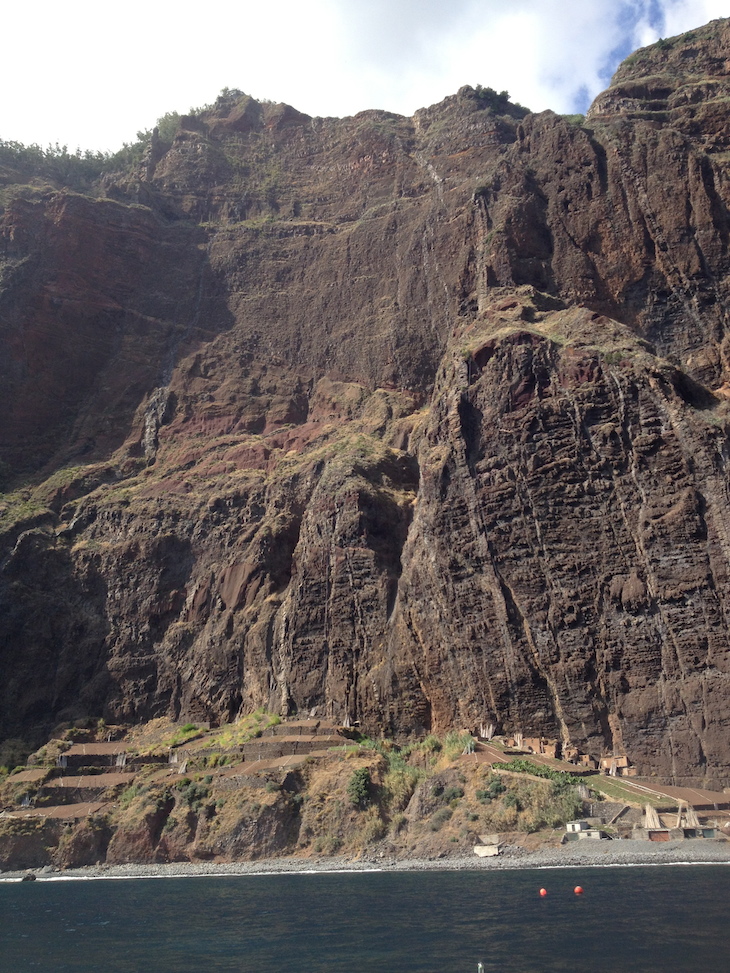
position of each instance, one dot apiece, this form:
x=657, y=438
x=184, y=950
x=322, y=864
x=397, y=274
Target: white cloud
x=683, y=15
x=90, y=74
x=543, y=54
x=547, y=53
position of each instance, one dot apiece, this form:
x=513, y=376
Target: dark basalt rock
x=420, y=422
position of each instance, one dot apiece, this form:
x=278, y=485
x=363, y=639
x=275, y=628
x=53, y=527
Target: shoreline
x=591, y=854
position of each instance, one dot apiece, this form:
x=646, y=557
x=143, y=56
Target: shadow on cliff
x=84, y=628
x=54, y=636
x=93, y=323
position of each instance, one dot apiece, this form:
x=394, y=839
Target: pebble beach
x=583, y=854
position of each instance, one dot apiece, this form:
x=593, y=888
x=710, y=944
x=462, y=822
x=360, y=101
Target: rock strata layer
x=417, y=422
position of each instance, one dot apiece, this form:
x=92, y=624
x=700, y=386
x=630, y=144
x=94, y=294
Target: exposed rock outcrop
x=418, y=422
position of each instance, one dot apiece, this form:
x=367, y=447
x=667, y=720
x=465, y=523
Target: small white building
x=573, y=826
x=578, y=830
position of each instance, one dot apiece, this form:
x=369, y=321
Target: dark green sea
x=669, y=919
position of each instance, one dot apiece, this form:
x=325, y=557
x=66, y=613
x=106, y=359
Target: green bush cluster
x=130, y=793
x=400, y=779
x=359, y=787
x=79, y=169
x=539, y=805
x=498, y=102
x=14, y=753
x=451, y=794
x=491, y=792
x=456, y=743
x=440, y=818
x=399, y=785
x=216, y=760
x=75, y=169
x=184, y=734
x=523, y=766
x=192, y=793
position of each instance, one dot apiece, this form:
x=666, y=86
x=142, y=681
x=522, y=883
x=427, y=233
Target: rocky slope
x=417, y=422
x=257, y=790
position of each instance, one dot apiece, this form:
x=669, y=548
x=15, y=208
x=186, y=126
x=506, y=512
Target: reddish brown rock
x=418, y=422
x=25, y=843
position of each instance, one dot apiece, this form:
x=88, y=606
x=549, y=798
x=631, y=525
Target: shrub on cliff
x=359, y=787
x=440, y=818
x=399, y=785
x=193, y=793
x=457, y=743
x=497, y=101
x=75, y=169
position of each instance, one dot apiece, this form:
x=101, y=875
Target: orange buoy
x=578, y=890
x=543, y=892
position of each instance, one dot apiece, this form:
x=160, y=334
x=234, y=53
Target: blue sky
x=90, y=75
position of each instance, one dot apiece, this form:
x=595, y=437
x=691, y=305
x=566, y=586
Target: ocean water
x=669, y=919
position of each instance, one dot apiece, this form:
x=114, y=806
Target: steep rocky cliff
x=419, y=422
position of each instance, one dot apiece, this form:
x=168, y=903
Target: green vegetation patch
x=522, y=766
x=615, y=790
x=194, y=793
x=359, y=787
x=439, y=819
x=498, y=101
x=236, y=734
x=183, y=734
x=492, y=792
x=457, y=743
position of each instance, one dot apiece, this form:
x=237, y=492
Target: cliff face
x=417, y=422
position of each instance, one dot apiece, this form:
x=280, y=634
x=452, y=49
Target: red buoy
x=543, y=892
x=578, y=890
